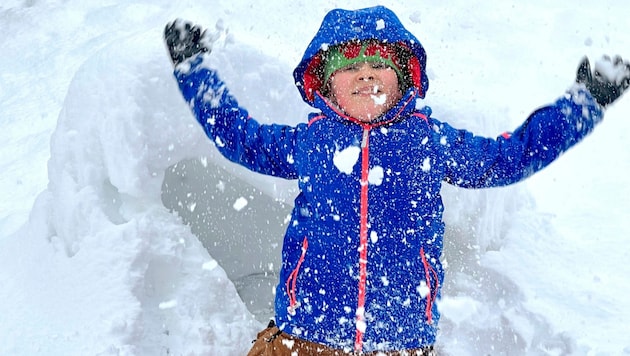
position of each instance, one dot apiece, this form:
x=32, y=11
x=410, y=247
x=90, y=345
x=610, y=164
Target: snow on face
x=379, y=99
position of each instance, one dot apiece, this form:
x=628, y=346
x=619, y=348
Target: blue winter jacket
x=361, y=256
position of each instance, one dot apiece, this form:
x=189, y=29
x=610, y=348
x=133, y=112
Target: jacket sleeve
x=266, y=149
x=477, y=162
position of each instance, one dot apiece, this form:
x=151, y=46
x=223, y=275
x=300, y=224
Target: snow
x=346, y=158
x=240, y=203
x=378, y=99
x=123, y=231
x=611, y=70
x=376, y=175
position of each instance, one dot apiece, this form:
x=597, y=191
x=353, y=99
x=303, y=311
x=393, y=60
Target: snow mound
x=137, y=277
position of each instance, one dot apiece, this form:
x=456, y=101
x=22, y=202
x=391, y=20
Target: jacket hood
x=340, y=26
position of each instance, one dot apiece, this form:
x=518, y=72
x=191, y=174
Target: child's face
x=365, y=90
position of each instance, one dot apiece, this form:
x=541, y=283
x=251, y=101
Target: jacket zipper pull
x=364, y=139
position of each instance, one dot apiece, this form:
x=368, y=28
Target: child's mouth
x=368, y=90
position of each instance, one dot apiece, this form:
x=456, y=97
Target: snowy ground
x=98, y=149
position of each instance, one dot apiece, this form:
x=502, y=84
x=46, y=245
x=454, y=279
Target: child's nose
x=366, y=76
x=366, y=73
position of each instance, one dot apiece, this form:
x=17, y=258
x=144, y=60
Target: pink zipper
x=363, y=240
x=292, y=280
x=428, y=270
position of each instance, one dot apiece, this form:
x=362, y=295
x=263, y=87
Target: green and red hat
x=376, y=23
x=352, y=52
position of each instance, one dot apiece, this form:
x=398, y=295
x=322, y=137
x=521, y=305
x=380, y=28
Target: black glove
x=609, y=80
x=185, y=40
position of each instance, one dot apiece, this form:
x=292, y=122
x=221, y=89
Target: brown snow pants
x=273, y=342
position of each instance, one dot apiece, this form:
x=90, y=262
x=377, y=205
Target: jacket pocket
x=292, y=280
x=433, y=284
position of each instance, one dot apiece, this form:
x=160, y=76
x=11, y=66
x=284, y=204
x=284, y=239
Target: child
x=361, y=257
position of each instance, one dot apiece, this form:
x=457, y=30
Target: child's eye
x=359, y=65
x=352, y=67
x=379, y=65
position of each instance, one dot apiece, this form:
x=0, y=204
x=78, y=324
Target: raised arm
x=477, y=162
x=265, y=149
